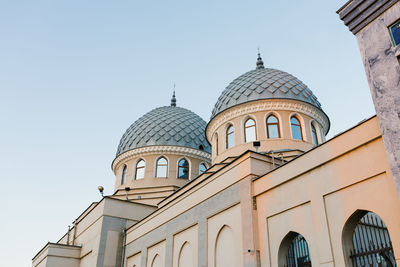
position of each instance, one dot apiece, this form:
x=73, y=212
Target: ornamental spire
x=260, y=63
x=173, y=99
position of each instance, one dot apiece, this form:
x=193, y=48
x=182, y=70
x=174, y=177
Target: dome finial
x=173, y=99
x=260, y=63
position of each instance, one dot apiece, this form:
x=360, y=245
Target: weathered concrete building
x=270, y=190
x=376, y=24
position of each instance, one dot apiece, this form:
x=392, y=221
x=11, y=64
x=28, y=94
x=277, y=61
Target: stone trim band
x=176, y=150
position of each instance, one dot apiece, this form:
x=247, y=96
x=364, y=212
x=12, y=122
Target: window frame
x=123, y=174
x=205, y=165
x=391, y=32
x=248, y=127
x=137, y=168
x=183, y=167
x=216, y=143
x=228, y=134
x=273, y=123
x=314, y=134
x=299, y=125
x=157, y=165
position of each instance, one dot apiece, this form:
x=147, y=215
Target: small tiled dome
x=263, y=83
x=170, y=126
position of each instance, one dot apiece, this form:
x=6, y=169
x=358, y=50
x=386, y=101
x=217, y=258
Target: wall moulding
x=151, y=150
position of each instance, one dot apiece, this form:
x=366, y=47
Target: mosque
x=256, y=185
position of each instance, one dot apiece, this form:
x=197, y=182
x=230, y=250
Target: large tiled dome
x=263, y=83
x=170, y=125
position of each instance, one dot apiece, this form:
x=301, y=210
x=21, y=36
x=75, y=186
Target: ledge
x=356, y=14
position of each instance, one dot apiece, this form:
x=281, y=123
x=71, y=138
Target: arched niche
x=186, y=256
x=225, y=249
x=366, y=241
x=294, y=251
x=156, y=262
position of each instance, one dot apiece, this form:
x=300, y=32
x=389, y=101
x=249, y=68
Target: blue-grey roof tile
x=263, y=83
x=173, y=126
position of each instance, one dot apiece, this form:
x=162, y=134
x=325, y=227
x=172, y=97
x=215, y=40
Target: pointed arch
x=294, y=251
x=185, y=258
x=123, y=174
x=273, y=127
x=202, y=168
x=140, y=169
x=366, y=240
x=183, y=168
x=296, y=127
x=250, y=130
x=314, y=134
x=161, y=167
x=156, y=262
x=225, y=248
x=216, y=144
x=230, y=136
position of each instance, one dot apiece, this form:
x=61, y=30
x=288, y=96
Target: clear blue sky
x=75, y=74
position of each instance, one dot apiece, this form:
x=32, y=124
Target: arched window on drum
x=216, y=144
x=123, y=175
x=314, y=134
x=273, y=127
x=140, y=169
x=230, y=136
x=250, y=131
x=161, y=168
x=202, y=168
x=183, y=169
x=297, y=133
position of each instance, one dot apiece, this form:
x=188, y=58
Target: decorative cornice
x=149, y=150
x=268, y=105
x=356, y=14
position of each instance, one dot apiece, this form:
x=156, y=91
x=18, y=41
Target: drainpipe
x=123, y=247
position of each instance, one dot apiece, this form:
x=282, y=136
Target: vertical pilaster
x=202, y=248
x=143, y=257
x=169, y=250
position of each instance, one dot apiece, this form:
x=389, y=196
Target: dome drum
x=274, y=135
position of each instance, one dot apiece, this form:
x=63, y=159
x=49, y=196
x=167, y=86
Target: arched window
x=294, y=252
x=183, y=169
x=161, y=167
x=273, y=127
x=140, y=169
x=296, y=128
x=203, y=168
x=216, y=143
x=230, y=136
x=250, y=130
x=366, y=241
x=314, y=134
x=123, y=176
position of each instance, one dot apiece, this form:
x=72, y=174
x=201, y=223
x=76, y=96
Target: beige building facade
x=258, y=185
